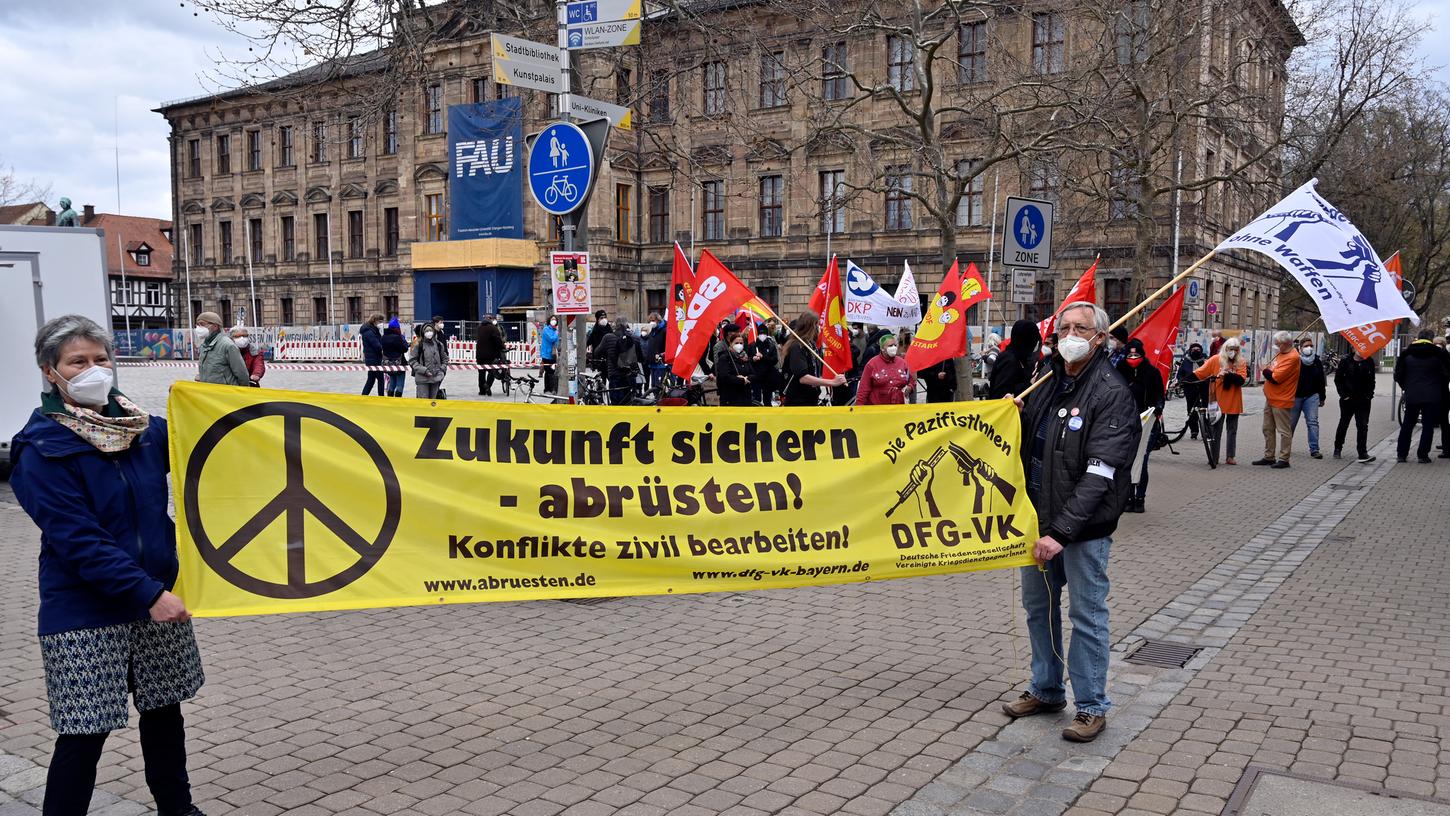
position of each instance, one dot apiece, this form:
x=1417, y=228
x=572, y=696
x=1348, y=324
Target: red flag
x=943, y=331
x=745, y=321
x=718, y=293
x=830, y=304
x=974, y=287
x=682, y=287
x=1085, y=290
x=1372, y=337
x=1160, y=331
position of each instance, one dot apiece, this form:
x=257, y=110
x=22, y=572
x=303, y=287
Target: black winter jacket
x=1087, y=472
x=372, y=343
x=395, y=348
x=1422, y=371
x=940, y=389
x=1145, y=383
x=1311, y=380
x=729, y=371
x=1354, y=379
x=491, y=348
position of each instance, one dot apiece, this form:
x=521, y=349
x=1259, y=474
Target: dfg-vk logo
x=489, y=155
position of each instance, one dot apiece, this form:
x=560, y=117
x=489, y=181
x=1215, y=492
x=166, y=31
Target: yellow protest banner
x=294, y=502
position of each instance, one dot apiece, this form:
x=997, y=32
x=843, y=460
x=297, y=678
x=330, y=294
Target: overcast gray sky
x=67, y=72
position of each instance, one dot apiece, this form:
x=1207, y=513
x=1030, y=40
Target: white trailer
x=45, y=272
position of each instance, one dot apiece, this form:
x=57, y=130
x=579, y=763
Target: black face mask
x=1195, y=354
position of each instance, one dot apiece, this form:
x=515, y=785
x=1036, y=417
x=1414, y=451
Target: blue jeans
x=395, y=383
x=1309, y=407
x=1083, y=569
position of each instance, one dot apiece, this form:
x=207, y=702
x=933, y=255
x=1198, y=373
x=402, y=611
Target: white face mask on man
x=1074, y=348
x=202, y=333
x=241, y=342
x=91, y=387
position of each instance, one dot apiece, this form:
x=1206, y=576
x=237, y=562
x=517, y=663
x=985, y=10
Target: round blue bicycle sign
x=561, y=164
x=1030, y=226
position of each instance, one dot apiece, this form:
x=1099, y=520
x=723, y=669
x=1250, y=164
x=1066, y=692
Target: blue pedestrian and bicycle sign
x=561, y=165
x=1027, y=233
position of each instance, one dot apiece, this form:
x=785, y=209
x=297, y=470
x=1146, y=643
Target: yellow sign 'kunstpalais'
x=293, y=502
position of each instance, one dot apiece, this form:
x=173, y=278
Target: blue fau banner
x=485, y=150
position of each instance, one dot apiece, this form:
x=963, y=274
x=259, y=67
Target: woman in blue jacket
x=91, y=469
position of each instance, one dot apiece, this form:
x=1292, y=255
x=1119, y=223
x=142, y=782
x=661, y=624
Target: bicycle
x=593, y=389
x=1164, y=438
x=525, y=387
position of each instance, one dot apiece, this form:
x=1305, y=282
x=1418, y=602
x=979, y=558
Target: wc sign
x=486, y=193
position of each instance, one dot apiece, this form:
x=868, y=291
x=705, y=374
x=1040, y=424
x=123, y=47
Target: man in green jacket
x=218, y=359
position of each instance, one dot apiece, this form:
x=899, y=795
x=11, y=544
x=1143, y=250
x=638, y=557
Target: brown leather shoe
x=1085, y=727
x=1027, y=705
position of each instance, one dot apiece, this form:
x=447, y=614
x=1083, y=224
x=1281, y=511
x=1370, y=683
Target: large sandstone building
x=770, y=138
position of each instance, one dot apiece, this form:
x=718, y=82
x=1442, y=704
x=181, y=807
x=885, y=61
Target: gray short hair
x=1282, y=336
x=1100, y=317
x=55, y=334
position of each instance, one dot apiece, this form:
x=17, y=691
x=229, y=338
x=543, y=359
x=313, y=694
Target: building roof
x=356, y=65
x=134, y=230
x=36, y=212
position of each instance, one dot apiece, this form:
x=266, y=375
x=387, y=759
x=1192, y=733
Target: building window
x=434, y=97
x=254, y=239
x=320, y=236
x=390, y=133
x=769, y=294
x=390, y=231
x=501, y=91
x=289, y=239
x=288, y=315
x=1115, y=297
x=355, y=138
x=972, y=52
x=319, y=142
x=1131, y=28
x=196, y=308
x=1048, y=42
x=224, y=155
x=556, y=229
x=480, y=90
x=1044, y=301
x=772, y=79
x=655, y=302
x=772, y=189
x=435, y=227
x=226, y=314
x=1122, y=203
x=834, y=82
x=354, y=234
x=143, y=257
x=659, y=215
x=319, y=310
x=713, y=225
x=1044, y=182
x=659, y=96
x=833, y=209
x=969, y=209
x=354, y=309
x=193, y=158
x=285, y=145
x=623, y=85
x=224, y=239
x=390, y=305
x=622, y=195
x=714, y=87
x=155, y=294
x=898, y=197
x=254, y=150
x=195, y=241
x=901, y=62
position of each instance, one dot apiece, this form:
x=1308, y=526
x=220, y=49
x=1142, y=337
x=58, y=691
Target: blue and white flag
x=1329, y=257
x=867, y=302
x=486, y=173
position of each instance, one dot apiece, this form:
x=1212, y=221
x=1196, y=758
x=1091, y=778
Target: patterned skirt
x=90, y=672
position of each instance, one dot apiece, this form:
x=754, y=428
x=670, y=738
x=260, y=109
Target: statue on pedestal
x=67, y=217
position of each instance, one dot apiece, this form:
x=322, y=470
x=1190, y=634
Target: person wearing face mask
x=765, y=362
x=1049, y=350
x=1281, y=382
x=1080, y=432
x=91, y=471
x=548, y=342
x=371, y=335
x=1195, y=393
x=395, y=353
x=252, y=356
x=428, y=359
x=1012, y=372
x=1309, y=395
x=734, y=373
x=1422, y=370
x=1354, y=380
x=1117, y=346
x=654, y=350
x=492, y=350
x=597, y=333
x=1226, y=372
x=886, y=378
x=1145, y=383
x=217, y=358
x=800, y=366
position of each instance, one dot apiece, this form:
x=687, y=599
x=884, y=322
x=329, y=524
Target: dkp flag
x=867, y=302
x=1329, y=257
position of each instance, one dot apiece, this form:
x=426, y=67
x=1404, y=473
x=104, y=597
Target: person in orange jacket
x=1226, y=372
x=1281, y=383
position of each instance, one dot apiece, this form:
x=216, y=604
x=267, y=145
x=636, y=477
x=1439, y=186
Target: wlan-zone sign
x=1027, y=233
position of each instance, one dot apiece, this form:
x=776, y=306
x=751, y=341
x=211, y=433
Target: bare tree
x=15, y=190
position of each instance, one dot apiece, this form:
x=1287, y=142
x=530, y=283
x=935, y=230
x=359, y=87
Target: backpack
x=629, y=355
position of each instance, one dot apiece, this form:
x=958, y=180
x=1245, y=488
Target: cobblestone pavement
x=853, y=699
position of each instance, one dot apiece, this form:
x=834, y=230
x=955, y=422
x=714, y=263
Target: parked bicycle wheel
x=1209, y=448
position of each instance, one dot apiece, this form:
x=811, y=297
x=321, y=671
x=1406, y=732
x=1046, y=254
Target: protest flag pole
x=1177, y=279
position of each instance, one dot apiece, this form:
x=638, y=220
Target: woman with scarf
x=1145, y=383
x=91, y=470
x=887, y=378
x=734, y=370
x=1226, y=373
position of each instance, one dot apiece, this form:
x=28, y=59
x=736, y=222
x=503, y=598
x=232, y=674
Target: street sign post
x=602, y=11
x=561, y=167
x=514, y=49
x=1024, y=286
x=618, y=115
x=1027, y=237
x=604, y=35
x=1195, y=291
x=528, y=75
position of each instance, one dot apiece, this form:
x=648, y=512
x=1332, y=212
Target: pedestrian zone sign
x=1027, y=236
x=561, y=165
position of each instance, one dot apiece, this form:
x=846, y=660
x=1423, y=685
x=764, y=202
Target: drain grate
x=1163, y=654
x=588, y=601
